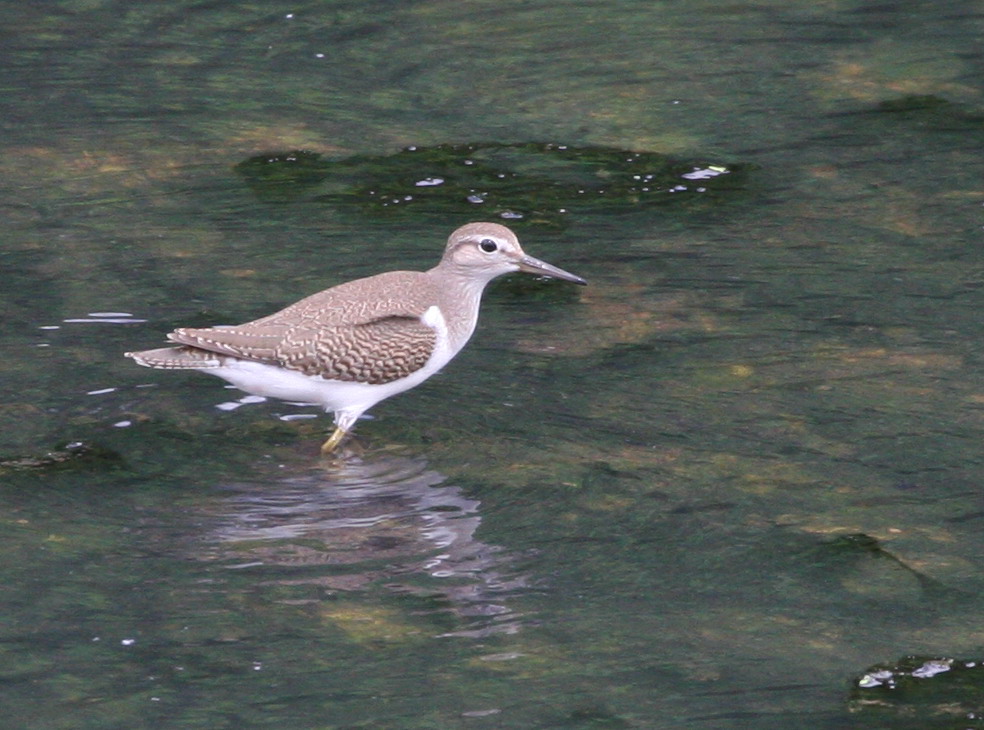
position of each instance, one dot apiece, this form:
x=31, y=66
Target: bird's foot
x=331, y=444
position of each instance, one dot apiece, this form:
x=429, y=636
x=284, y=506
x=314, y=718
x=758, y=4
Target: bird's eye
x=488, y=245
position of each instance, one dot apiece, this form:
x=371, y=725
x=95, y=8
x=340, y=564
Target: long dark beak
x=530, y=265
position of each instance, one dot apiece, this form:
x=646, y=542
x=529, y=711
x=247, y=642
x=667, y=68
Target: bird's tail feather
x=178, y=358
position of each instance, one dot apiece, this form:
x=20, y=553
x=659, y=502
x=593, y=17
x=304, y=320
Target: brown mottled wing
x=244, y=341
x=378, y=351
x=365, y=331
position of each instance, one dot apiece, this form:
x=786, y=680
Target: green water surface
x=735, y=482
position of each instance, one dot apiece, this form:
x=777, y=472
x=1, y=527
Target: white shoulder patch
x=434, y=319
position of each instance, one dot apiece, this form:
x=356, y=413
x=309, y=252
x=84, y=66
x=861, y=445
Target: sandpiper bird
x=349, y=347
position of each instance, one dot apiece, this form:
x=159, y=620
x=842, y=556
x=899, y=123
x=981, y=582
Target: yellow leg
x=336, y=438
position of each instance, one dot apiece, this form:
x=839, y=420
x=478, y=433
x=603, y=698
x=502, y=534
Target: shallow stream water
x=734, y=482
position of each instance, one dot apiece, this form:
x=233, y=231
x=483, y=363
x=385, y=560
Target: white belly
x=332, y=395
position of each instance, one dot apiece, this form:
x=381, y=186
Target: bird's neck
x=460, y=293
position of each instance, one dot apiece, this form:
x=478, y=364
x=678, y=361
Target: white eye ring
x=488, y=245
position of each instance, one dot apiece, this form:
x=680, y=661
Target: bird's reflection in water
x=385, y=520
